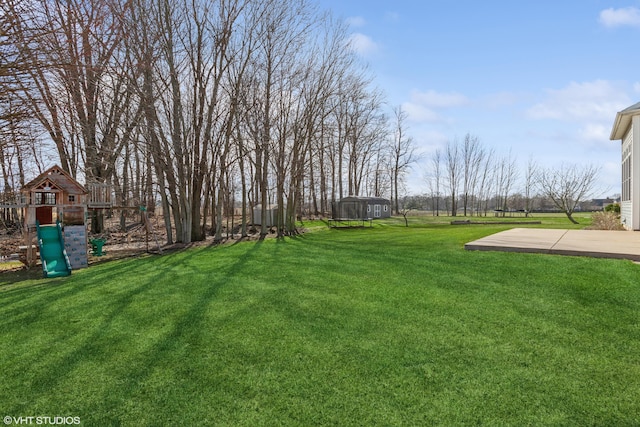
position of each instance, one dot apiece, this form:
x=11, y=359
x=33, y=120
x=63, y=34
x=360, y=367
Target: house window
x=72, y=198
x=45, y=199
x=368, y=208
x=386, y=208
x=626, y=175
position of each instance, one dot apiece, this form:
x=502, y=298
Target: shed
x=378, y=207
x=361, y=208
x=270, y=218
x=626, y=128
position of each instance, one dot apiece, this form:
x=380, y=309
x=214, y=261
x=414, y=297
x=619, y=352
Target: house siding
x=630, y=177
x=635, y=173
x=625, y=214
x=626, y=128
x=626, y=211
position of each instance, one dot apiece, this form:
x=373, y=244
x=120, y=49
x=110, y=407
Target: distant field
x=550, y=219
x=386, y=325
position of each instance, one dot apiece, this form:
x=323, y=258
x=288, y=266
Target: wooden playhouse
x=54, y=197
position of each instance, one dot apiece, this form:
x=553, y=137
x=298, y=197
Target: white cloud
x=626, y=16
x=363, y=44
x=588, y=101
x=356, y=21
x=502, y=99
x=594, y=132
x=583, y=112
x=425, y=106
x=435, y=99
x=430, y=139
x=421, y=113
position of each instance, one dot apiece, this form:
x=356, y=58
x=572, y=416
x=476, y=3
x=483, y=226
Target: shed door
x=376, y=211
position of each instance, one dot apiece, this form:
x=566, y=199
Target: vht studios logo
x=47, y=421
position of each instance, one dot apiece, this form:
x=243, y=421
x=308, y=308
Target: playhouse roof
x=55, y=178
x=623, y=121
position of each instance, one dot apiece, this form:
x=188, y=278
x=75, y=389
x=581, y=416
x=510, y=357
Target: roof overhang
x=623, y=121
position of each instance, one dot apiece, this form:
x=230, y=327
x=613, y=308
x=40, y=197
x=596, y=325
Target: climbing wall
x=75, y=242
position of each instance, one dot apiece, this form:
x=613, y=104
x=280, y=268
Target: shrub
x=608, y=220
x=612, y=207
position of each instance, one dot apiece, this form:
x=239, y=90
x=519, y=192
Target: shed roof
x=377, y=200
x=365, y=199
x=57, y=179
x=623, y=121
x=352, y=199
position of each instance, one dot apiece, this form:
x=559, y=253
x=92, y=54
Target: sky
x=535, y=79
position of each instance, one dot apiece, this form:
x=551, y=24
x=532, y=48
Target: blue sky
x=541, y=78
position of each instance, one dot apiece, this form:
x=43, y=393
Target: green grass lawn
x=377, y=326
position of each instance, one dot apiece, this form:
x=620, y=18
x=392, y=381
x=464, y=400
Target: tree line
x=468, y=178
x=196, y=105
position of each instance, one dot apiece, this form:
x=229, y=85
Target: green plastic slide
x=55, y=262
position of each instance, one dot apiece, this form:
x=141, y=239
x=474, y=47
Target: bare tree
x=454, y=172
x=17, y=140
x=358, y=133
x=24, y=51
x=472, y=156
x=282, y=33
x=485, y=182
x=402, y=151
x=185, y=107
x=568, y=185
x=196, y=100
x=529, y=183
x=329, y=63
x=506, y=177
x=434, y=180
x=79, y=87
x=366, y=131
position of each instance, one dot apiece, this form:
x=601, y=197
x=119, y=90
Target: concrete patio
x=592, y=243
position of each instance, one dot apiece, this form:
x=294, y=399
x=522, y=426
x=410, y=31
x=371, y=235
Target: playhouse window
x=72, y=198
x=45, y=199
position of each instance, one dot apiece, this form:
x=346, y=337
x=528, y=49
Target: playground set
x=55, y=207
x=53, y=210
